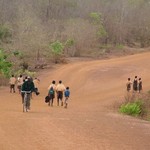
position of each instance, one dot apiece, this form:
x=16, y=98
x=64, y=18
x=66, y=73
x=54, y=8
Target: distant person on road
x=128, y=84
x=67, y=94
x=22, y=94
x=36, y=82
x=51, y=92
x=140, y=85
x=19, y=83
x=12, y=82
x=60, y=88
x=135, y=84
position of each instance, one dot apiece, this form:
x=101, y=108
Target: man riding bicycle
x=27, y=89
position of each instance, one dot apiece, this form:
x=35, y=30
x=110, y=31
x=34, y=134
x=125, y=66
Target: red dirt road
x=89, y=123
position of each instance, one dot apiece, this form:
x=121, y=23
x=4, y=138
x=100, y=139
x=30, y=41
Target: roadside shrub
x=136, y=104
x=132, y=108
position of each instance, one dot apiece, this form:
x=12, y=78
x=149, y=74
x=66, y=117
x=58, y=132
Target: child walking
x=67, y=94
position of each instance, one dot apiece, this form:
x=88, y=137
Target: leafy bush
x=136, y=104
x=101, y=31
x=69, y=43
x=5, y=66
x=69, y=47
x=57, y=50
x=133, y=109
x=95, y=17
x=98, y=22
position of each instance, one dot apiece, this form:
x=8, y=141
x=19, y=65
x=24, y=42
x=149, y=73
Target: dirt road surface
x=90, y=122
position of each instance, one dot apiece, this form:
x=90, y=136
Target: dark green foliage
x=57, y=49
x=5, y=66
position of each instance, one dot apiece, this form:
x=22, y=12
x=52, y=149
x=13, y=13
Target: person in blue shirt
x=67, y=94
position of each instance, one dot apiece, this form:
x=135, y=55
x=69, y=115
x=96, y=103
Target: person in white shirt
x=60, y=88
x=36, y=82
x=19, y=83
x=12, y=82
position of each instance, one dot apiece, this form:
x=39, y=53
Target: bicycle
x=25, y=99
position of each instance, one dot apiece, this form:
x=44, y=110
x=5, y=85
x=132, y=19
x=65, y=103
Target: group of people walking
x=60, y=91
x=136, y=85
x=27, y=85
x=18, y=82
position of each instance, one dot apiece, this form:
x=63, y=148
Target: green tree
x=57, y=49
x=96, y=19
x=68, y=45
x=5, y=66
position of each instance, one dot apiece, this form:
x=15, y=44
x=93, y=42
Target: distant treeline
x=33, y=24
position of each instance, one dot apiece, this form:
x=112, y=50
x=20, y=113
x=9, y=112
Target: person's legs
x=19, y=88
x=28, y=101
x=58, y=97
x=57, y=101
x=61, y=98
x=13, y=87
x=52, y=102
x=61, y=102
x=49, y=102
x=22, y=96
x=66, y=102
x=10, y=88
x=25, y=98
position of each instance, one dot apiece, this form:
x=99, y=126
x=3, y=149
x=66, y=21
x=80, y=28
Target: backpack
x=47, y=99
x=51, y=91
